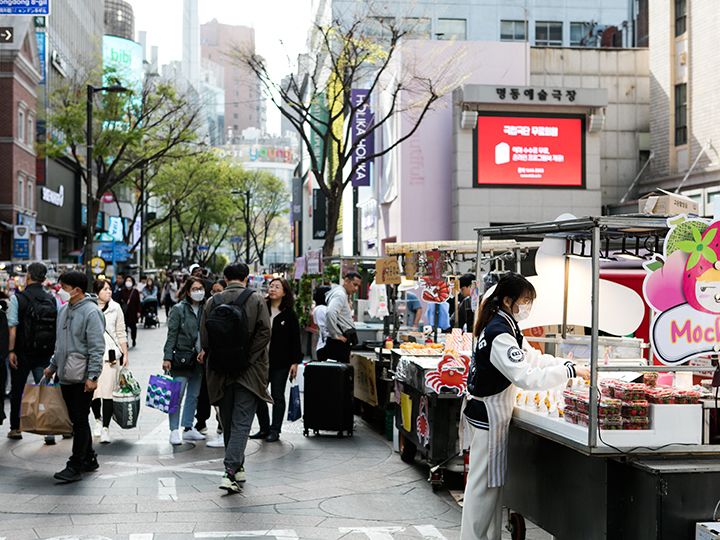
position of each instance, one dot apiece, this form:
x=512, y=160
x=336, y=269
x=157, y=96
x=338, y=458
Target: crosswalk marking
x=374, y=533
x=278, y=534
x=141, y=536
x=429, y=531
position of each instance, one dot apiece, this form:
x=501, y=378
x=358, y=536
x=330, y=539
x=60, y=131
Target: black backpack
x=229, y=336
x=39, y=324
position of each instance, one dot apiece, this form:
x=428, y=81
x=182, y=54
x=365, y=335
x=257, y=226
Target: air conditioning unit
x=468, y=119
x=596, y=121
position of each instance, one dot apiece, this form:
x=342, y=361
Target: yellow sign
x=406, y=411
x=387, y=271
x=98, y=265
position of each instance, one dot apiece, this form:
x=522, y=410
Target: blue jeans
x=191, y=381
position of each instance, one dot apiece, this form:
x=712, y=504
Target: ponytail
x=513, y=286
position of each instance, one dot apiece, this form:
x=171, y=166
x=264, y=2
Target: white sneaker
x=97, y=429
x=175, y=438
x=217, y=442
x=193, y=435
x=105, y=435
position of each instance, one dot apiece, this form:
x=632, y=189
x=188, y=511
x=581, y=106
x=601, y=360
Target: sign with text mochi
x=683, y=289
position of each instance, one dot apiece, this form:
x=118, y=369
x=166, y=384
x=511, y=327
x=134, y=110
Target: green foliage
x=303, y=301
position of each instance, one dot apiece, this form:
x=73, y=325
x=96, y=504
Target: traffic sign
x=203, y=248
x=35, y=7
x=7, y=34
x=236, y=239
x=113, y=251
x=98, y=265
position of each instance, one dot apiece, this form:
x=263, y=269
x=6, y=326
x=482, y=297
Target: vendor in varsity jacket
x=502, y=360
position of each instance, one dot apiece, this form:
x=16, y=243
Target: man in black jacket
x=464, y=314
x=31, y=319
x=3, y=354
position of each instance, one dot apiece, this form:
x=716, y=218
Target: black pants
x=202, y=412
x=18, y=379
x=3, y=388
x=107, y=410
x=78, y=401
x=335, y=349
x=132, y=331
x=278, y=382
x=168, y=306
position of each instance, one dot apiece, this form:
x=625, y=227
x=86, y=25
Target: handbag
x=74, y=368
x=351, y=336
x=163, y=394
x=183, y=360
x=126, y=409
x=294, y=409
x=43, y=410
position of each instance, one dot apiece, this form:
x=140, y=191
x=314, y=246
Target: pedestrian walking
x=115, y=357
x=320, y=315
x=130, y=303
x=181, y=357
x=235, y=335
x=78, y=358
x=4, y=350
x=150, y=290
x=169, y=294
x=502, y=360
x=32, y=318
x=218, y=287
x=285, y=353
x=340, y=326
x=217, y=442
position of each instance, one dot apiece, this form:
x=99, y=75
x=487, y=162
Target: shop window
x=548, y=34
x=451, y=29
x=698, y=196
x=513, y=31
x=417, y=27
x=30, y=195
x=680, y=114
x=578, y=33
x=31, y=129
x=680, y=17
x=21, y=124
x=21, y=191
x=712, y=204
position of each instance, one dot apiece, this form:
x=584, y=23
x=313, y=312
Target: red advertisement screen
x=532, y=151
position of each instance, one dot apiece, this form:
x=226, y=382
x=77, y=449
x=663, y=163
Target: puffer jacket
x=183, y=328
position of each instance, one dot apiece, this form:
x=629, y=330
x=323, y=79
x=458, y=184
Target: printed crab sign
x=451, y=374
x=422, y=425
x=435, y=291
x=683, y=288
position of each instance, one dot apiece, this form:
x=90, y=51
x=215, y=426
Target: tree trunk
x=334, y=201
x=91, y=220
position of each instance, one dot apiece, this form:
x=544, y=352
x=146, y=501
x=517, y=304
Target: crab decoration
x=435, y=291
x=422, y=426
x=451, y=374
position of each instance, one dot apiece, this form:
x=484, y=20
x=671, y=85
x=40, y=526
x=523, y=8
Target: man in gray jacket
x=77, y=361
x=339, y=321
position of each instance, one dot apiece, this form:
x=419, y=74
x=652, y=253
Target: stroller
x=149, y=310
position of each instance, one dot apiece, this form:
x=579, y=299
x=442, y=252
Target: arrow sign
x=7, y=34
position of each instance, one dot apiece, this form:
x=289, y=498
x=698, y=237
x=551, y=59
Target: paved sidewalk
x=316, y=487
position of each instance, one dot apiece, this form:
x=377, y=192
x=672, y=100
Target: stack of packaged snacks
x=660, y=395
x=650, y=378
x=686, y=397
x=607, y=387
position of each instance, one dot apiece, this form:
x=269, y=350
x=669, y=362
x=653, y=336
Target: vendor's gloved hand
x=583, y=372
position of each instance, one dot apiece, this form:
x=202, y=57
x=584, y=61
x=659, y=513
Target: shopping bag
x=126, y=409
x=294, y=410
x=43, y=410
x=163, y=394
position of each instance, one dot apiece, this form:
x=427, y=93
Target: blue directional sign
x=21, y=249
x=113, y=251
x=24, y=7
x=203, y=248
x=41, y=53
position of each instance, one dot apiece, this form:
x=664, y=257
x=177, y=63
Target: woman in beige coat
x=116, y=356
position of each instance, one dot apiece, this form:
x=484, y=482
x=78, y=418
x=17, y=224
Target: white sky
x=280, y=30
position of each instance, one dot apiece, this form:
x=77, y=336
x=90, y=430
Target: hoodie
x=339, y=317
x=80, y=329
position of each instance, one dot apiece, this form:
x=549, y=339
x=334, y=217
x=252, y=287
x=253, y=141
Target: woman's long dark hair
x=513, y=286
x=184, y=292
x=288, y=301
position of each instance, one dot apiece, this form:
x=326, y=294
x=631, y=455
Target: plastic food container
x=635, y=408
x=660, y=395
x=609, y=407
x=650, y=379
x=636, y=423
x=631, y=392
x=583, y=403
x=583, y=419
x=571, y=416
x=686, y=397
x=570, y=399
x=611, y=422
x=607, y=387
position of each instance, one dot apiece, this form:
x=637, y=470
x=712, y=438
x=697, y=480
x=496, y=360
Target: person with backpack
x=181, y=357
x=32, y=318
x=235, y=333
x=285, y=355
x=116, y=357
x=77, y=361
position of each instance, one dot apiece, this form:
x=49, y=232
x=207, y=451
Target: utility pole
x=247, y=227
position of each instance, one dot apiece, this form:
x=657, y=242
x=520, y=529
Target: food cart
x=601, y=480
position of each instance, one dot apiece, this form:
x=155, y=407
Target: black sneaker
x=68, y=475
x=259, y=435
x=90, y=465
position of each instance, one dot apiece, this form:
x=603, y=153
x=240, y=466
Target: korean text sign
x=537, y=151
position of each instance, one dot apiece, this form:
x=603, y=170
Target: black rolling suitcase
x=328, y=398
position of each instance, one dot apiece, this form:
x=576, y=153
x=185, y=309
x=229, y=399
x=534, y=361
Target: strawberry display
x=635, y=408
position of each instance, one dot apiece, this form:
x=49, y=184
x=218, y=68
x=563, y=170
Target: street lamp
x=246, y=216
x=90, y=236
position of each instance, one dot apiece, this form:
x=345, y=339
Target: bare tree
x=358, y=54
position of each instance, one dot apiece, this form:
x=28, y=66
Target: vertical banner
x=40, y=36
x=363, y=144
x=319, y=218
x=319, y=118
x=296, y=212
x=434, y=264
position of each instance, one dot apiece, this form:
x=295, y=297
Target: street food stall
x=638, y=442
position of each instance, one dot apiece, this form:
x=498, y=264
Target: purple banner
x=363, y=145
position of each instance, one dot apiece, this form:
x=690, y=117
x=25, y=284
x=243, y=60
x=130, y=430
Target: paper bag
x=43, y=410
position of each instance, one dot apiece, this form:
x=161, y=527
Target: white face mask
x=128, y=284
x=523, y=312
x=64, y=295
x=197, y=296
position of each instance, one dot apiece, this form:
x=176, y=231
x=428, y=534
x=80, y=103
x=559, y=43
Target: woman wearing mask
x=130, y=302
x=502, y=360
x=115, y=357
x=180, y=357
x=285, y=353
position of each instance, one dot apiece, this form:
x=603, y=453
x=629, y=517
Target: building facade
x=244, y=106
x=119, y=19
x=19, y=78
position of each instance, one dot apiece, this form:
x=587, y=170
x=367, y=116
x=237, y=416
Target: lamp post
x=90, y=220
